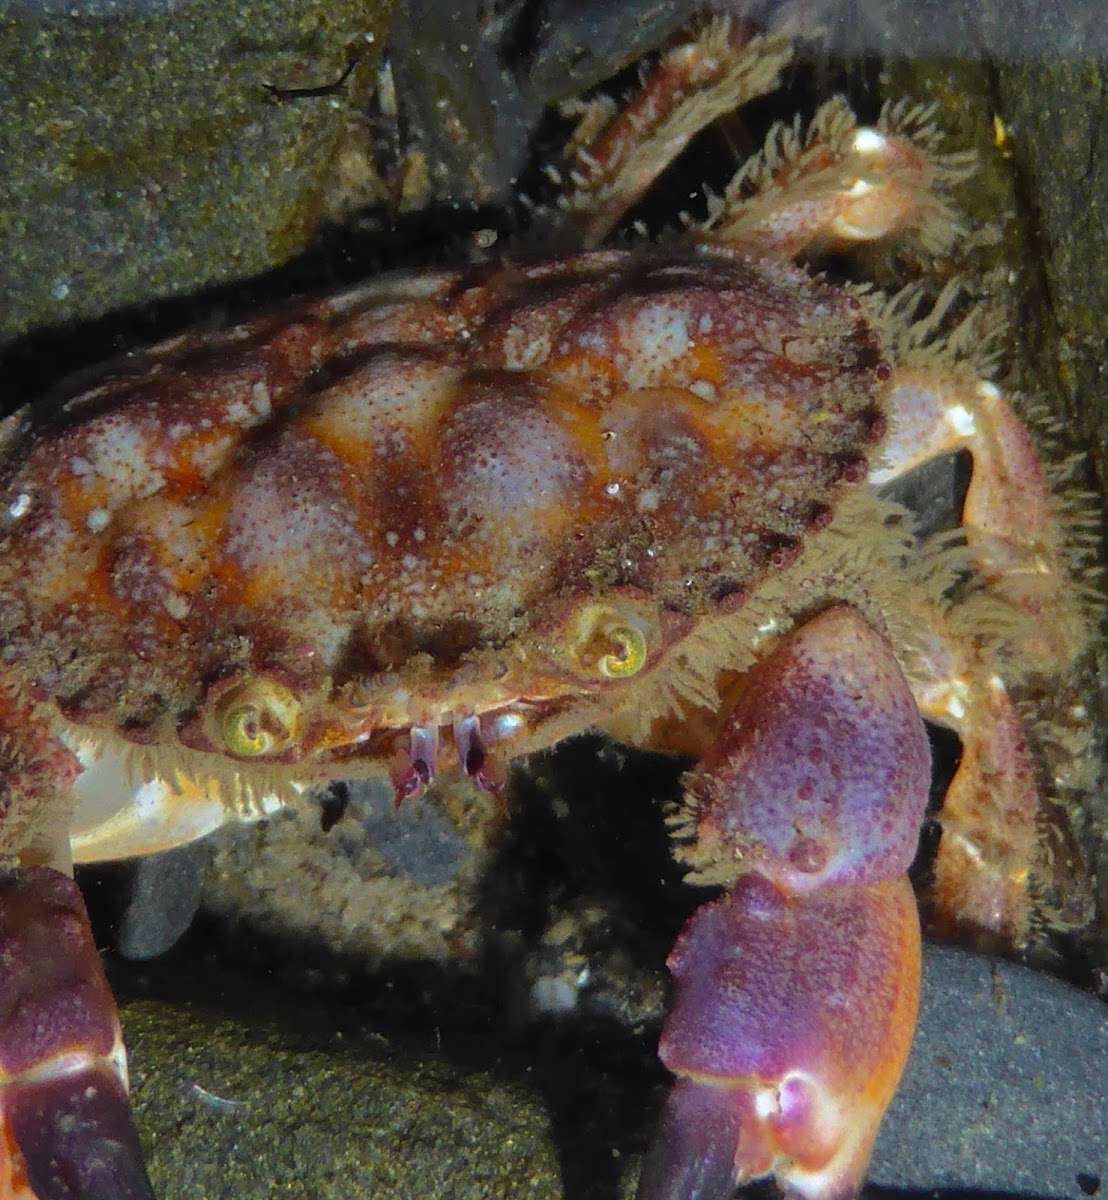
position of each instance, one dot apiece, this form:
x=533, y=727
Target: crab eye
x=611, y=639
x=257, y=718
x=628, y=654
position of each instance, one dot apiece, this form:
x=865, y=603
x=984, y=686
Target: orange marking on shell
x=207, y=522
x=14, y=1184
x=80, y=495
x=97, y=589
x=706, y=363
x=230, y=578
x=599, y=374
x=348, y=451
x=255, y=586
x=183, y=479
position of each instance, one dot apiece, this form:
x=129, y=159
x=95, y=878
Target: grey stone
x=1004, y=1093
x=1006, y=1089
x=164, y=896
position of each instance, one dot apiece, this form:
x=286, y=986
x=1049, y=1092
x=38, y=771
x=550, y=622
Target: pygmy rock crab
x=447, y=519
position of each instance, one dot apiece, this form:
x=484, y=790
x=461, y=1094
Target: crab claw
x=65, y=1128
x=791, y=1024
x=795, y=996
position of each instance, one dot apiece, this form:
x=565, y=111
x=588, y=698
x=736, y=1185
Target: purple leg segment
x=65, y=1128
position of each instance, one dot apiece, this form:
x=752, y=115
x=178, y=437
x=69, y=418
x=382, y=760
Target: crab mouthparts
x=427, y=751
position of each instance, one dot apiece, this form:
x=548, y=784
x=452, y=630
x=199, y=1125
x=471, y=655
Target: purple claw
x=693, y=1154
x=795, y=996
x=65, y=1128
x=791, y=1023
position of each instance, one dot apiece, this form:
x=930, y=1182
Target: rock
x=243, y=1093
x=258, y=1109
x=143, y=156
x=1055, y=110
x=163, y=896
x=371, y=882
x=1006, y=1089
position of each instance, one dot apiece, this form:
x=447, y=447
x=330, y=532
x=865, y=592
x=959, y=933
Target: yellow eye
x=628, y=652
x=610, y=638
x=244, y=731
x=256, y=718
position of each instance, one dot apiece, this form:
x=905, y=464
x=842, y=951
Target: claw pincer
x=65, y=1128
x=795, y=995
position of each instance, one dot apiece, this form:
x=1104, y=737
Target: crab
x=447, y=519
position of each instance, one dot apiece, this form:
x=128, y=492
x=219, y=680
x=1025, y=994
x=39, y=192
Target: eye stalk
x=255, y=719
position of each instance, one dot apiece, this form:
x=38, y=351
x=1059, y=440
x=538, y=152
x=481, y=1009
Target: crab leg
x=795, y=995
x=1010, y=514
x=1025, y=620
x=615, y=159
x=65, y=1127
x=990, y=850
x=838, y=186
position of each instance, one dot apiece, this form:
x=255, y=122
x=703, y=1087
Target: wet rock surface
x=243, y=1108
x=1057, y=113
x=357, y=877
x=143, y=156
x=1006, y=1087
x=162, y=896
x=1004, y=1094
x=1025, y=89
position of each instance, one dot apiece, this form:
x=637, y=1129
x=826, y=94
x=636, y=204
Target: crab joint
x=821, y=774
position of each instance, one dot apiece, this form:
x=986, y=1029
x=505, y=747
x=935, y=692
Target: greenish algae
x=142, y=154
x=258, y=1109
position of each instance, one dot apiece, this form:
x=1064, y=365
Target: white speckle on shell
x=704, y=390
x=177, y=606
x=263, y=405
x=659, y=334
x=524, y=350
